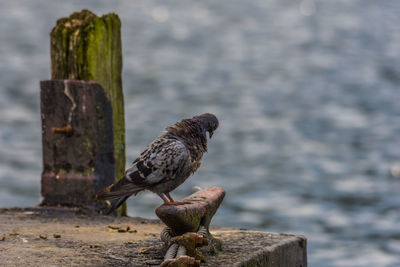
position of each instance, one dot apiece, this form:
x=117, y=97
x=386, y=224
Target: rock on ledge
x=59, y=236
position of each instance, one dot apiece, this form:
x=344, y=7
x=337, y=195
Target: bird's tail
x=116, y=203
x=118, y=192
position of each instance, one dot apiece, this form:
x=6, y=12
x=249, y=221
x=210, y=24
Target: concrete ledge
x=31, y=238
x=283, y=250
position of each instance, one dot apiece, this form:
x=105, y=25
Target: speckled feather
x=167, y=162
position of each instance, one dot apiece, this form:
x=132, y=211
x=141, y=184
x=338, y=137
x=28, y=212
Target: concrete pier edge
x=87, y=240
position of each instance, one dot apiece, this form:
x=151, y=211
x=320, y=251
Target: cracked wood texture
x=77, y=165
x=87, y=47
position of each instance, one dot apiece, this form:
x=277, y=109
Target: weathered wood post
x=83, y=125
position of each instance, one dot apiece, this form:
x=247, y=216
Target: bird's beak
x=210, y=134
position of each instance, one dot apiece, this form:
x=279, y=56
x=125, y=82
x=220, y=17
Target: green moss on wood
x=87, y=47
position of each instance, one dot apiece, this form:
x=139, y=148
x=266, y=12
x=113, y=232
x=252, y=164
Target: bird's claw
x=175, y=203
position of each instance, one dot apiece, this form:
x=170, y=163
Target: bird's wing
x=161, y=160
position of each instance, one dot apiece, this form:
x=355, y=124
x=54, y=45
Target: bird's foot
x=168, y=200
x=175, y=203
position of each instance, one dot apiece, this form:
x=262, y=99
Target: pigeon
x=165, y=163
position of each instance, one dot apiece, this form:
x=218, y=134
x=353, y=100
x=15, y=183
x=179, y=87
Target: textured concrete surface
x=67, y=237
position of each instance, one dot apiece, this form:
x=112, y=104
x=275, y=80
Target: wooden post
x=78, y=148
x=87, y=47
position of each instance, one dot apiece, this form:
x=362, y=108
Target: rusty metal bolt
x=67, y=130
x=183, y=245
x=198, y=239
x=190, y=241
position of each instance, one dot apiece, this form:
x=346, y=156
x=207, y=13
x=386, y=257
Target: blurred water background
x=307, y=93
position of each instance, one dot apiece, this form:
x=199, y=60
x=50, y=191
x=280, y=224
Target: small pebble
x=97, y=245
x=114, y=227
x=3, y=238
x=76, y=226
x=14, y=233
x=132, y=231
x=43, y=236
x=121, y=231
x=144, y=249
x=56, y=235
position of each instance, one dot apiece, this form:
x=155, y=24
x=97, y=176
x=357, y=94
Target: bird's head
x=208, y=122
